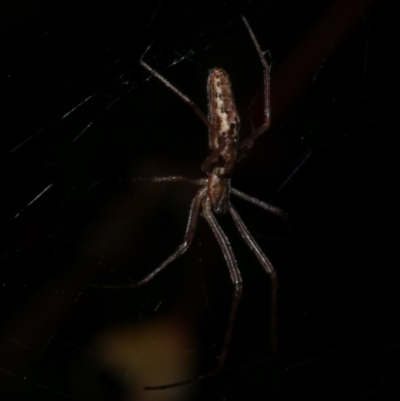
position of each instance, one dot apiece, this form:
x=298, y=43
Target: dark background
x=80, y=120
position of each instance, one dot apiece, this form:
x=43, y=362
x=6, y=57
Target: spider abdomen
x=224, y=117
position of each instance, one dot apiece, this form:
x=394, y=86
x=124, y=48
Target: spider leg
x=236, y=296
x=269, y=269
x=269, y=208
x=186, y=99
x=263, y=205
x=246, y=145
x=175, y=178
x=234, y=273
x=191, y=226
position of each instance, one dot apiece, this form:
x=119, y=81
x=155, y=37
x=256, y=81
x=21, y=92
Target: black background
x=80, y=119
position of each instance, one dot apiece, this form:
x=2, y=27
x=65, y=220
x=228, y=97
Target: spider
x=213, y=196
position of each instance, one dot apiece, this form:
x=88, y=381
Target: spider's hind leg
x=187, y=240
x=268, y=268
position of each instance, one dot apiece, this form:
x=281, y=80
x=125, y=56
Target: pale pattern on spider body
x=224, y=117
x=223, y=140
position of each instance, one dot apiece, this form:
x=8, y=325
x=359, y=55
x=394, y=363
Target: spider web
x=81, y=120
